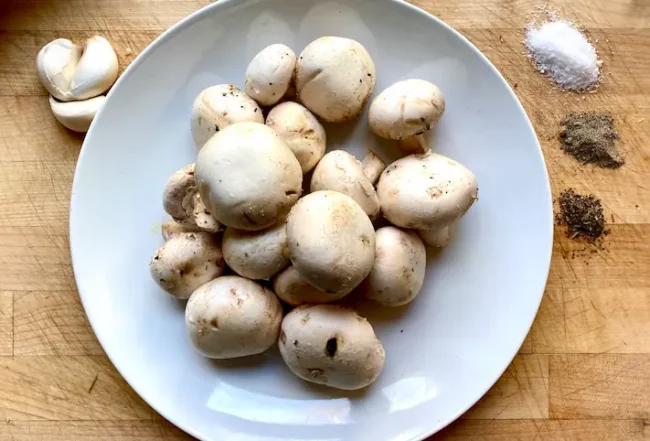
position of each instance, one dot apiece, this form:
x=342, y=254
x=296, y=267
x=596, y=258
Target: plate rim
x=191, y=19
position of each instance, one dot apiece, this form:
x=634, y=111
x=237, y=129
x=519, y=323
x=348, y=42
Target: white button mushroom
x=372, y=167
x=302, y=132
x=171, y=228
x=232, y=317
x=76, y=115
x=269, y=75
x=405, y=111
x=398, y=272
x=183, y=203
x=248, y=177
x=70, y=73
x=342, y=172
x=219, y=106
x=331, y=345
x=294, y=290
x=202, y=217
x=426, y=191
x=436, y=238
x=187, y=261
x=331, y=241
x=256, y=254
x=334, y=78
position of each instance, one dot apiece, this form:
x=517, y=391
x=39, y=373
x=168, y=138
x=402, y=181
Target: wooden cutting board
x=583, y=372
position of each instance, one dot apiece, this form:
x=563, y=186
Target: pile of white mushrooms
x=76, y=77
x=305, y=251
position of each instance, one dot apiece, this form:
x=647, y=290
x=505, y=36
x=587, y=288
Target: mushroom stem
x=202, y=217
x=416, y=144
x=372, y=167
x=171, y=228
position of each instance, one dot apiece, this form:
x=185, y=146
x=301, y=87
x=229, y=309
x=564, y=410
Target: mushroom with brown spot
x=248, y=177
x=331, y=241
x=182, y=201
x=405, y=111
x=398, y=271
x=217, y=107
x=269, y=74
x=302, y=132
x=291, y=288
x=340, y=171
x=332, y=346
x=335, y=77
x=256, y=254
x=185, y=262
x=427, y=192
x=232, y=317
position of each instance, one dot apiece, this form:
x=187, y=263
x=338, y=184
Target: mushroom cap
x=437, y=238
x=340, y=171
x=256, y=254
x=427, y=191
x=302, y=132
x=294, y=290
x=407, y=108
x=269, y=74
x=187, y=261
x=232, y=317
x=331, y=345
x=398, y=272
x=248, y=177
x=331, y=241
x=72, y=74
x=219, y=106
x=77, y=115
x=335, y=77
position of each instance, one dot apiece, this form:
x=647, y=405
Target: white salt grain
x=564, y=53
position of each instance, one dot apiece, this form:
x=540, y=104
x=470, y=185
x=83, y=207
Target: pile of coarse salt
x=564, y=53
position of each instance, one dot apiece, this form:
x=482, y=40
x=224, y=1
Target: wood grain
x=521, y=393
x=600, y=386
x=51, y=323
x=583, y=373
x=546, y=430
x=66, y=388
x=6, y=323
x=90, y=431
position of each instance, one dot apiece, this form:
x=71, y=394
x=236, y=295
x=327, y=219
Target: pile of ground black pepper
x=591, y=138
x=583, y=215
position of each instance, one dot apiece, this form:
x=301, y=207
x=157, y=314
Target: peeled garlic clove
x=96, y=71
x=76, y=115
x=70, y=73
x=56, y=63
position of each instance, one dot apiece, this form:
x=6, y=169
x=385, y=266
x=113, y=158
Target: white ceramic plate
x=443, y=351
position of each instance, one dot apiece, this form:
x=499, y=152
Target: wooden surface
x=583, y=372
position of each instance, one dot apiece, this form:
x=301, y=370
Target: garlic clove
x=70, y=73
x=77, y=115
x=96, y=71
x=56, y=63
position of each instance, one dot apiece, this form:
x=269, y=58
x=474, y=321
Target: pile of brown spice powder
x=591, y=139
x=583, y=215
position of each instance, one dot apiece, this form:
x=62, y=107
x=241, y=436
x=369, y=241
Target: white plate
x=443, y=351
